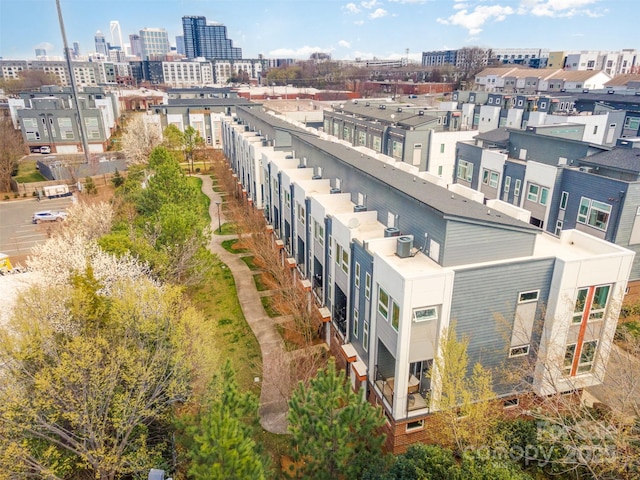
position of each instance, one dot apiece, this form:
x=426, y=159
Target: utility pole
x=74, y=93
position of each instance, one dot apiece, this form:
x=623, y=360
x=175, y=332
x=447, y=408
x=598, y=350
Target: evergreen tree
x=223, y=445
x=334, y=432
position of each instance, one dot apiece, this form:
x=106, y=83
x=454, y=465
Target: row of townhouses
x=611, y=62
x=394, y=257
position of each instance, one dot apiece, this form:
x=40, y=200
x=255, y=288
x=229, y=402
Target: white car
x=48, y=216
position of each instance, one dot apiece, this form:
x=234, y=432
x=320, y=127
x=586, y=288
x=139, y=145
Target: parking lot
x=17, y=233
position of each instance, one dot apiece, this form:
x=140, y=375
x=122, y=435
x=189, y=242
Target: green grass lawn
x=225, y=229
x=269, y=307
x=27, y=172
x=250, y=263
x=230, y=246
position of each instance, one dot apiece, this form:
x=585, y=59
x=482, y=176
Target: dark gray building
x=208, y=40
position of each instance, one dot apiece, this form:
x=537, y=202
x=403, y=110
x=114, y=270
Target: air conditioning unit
x=360, y=208
x=334, y=190
x=391, y=232
x=404, y=246
x=586, y=169
x=316, y=177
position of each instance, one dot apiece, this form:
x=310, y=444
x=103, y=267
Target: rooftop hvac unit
x=586, y=169
x=316, y=177
x=246, y=128
x=360, y=208
x=289, y=157
x=302, y=165
x=404, y=246
x=391, y=232
x=399, y=110
x=334, y=190
x=421, y=112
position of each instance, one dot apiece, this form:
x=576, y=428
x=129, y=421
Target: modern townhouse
x=394, y=258
x=562, y=181
x=415, y=135
x=48, y=118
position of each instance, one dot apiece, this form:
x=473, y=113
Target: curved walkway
x=273, y=405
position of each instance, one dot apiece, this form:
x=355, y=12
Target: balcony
x=385, y=386
x=418, y=396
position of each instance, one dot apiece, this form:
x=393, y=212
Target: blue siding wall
x=483, y=307
x=358, y=300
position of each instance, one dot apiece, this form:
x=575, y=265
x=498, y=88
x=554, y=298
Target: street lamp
x=219, y=222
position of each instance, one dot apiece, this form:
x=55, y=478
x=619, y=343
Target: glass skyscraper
x=207, y=40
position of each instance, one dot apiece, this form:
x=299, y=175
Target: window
x=365, y=336
x=587, y=356
x=516, y=188
x=544, y=195
x=345, y=261
x=383, y=303
x=338, y=253
x=526, y=297
x=559, y=224
x=534, y=190
x=594, y=213
x=330, y=246
x=287, y=198
x=595, y=129
x=442, y=148
x=511, y=403
x=367, y=286
x=490, y=178
x=415, y=425
x=439, y=170
x=598, y=303
x=395, y=315
x=355, y=323
x=507, y=184
x=318, y=232
x=301, y=215
x=563, y=200
x=632, y=123
x=425, y=314
x=465, y=170
x=519, y=351
x=357, y=276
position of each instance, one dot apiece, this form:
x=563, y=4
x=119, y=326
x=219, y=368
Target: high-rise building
x=180, y=44
x=135, y=44
x=116, y=34
x=155, y=43
x=101, y=43
x=76, y=49
x=208, y=40
x=41, y=52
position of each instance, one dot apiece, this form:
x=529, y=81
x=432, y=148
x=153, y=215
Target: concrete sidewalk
x=273, y=405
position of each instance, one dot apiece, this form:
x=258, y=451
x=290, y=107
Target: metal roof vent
x=360, y=208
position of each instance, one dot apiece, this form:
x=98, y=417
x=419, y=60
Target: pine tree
x=223, y=445
x=334, y=432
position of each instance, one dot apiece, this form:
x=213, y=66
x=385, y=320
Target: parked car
x=45, y=149
x=48, y=216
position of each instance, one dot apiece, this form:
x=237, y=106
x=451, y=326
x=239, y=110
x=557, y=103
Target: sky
x=346, y=29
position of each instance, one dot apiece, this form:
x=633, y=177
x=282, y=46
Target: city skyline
x=344, y=29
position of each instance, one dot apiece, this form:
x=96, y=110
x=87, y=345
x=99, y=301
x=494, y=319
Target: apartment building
x=48, y=118
x=393, y=257
x=562, y=181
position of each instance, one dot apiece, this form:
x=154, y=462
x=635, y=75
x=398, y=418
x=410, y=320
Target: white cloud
x=558, y=8
x=378, y=13
x=409, y=1
x=344, y=43
x=359, y=22
x=460, y=6
x=351, y=8
x=474, y=20
x=370, y=4
x=302, y=52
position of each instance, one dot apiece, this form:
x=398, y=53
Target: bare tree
x=11, y=150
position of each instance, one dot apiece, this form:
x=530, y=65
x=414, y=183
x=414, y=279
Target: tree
x=117, y=179
x=27, y=80
x=470, y=61
x=465, y=415
x=89, y=391
x=223, y=447
x=11, y=150
x=334, y=431
x=172, y=138
x=191, y=142
x=141, y=136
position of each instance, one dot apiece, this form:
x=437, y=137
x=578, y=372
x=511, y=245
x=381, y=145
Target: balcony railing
x=316, y=287
x=385, y=386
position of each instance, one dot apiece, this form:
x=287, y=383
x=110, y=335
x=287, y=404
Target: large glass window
x=534, y=190
x=465, y=170
x=395, y=315
x=563, y=200
x=367, y=286
x=594, y=213
x=383, y=303
x=581, y=301
x=599, y=305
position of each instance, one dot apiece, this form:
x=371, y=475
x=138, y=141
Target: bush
x=90, y=187
x=6, y=197
x=117, y=180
